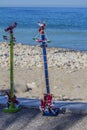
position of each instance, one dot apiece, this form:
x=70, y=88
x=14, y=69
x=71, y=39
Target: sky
x=43, y=3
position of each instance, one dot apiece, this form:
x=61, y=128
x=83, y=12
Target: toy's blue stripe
x=45, y=64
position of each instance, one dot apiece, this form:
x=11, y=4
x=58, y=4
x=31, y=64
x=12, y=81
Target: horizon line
x=48, y=6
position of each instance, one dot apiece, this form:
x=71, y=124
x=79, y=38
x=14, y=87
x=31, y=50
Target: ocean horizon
x=66, y=27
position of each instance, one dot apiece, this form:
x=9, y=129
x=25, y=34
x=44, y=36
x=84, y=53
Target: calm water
x=66, y=27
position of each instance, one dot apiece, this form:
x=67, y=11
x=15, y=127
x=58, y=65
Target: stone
x=18, y=88
x=31, y=85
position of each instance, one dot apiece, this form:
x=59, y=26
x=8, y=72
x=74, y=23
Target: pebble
x=55, y=87
x=31, y=85
x=31, y=56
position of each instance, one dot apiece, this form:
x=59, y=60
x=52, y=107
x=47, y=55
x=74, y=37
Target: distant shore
x=67, y=72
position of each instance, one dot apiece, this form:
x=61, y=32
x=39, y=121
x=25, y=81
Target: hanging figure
x=49, y=99
x=42, y=106
x=42, y=26
x=9, y=99
x=15, y=101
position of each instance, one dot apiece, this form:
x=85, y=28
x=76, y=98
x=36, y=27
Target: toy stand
x=12, y=103
x=46, y=105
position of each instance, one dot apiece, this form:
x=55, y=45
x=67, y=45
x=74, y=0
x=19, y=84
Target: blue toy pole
x=45, y=63
x=46, y=102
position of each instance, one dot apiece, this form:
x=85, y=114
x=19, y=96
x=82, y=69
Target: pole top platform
x=10, y=28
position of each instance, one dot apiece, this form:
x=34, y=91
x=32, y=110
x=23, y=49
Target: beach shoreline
x=67, y=72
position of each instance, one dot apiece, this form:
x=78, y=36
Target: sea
x=65, y=27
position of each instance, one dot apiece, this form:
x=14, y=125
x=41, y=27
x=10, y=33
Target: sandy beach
x=67, y=72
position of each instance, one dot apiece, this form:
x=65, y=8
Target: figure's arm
x=40, y=24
